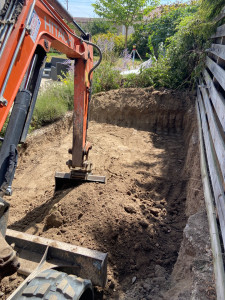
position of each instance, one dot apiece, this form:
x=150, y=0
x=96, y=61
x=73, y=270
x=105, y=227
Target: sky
x=83, y=8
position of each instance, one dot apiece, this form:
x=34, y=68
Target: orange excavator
x=28, y=30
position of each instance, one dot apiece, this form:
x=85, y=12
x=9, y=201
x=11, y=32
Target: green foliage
x=53, y=102
x=4, y=127
x=122, y=12
x=106, y=78
x=156, y=30
x=211, y=8
x=100, y=26
x=111, y=44
x=167, y=25
x=184, y=31
x=186, y=51
x=48, y=109
x=141, y=80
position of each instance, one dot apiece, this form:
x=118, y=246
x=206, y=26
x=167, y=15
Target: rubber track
x=55, y=285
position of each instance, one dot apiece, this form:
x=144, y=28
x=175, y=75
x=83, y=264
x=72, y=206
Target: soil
x=145, y=143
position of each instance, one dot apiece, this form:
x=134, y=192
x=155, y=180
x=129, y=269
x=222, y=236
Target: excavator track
x=52, y=284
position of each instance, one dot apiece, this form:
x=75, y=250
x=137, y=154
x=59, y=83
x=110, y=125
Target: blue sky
x=83, y=8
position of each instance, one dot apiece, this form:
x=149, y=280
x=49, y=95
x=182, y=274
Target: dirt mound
x=143, y=109
x=139, y=215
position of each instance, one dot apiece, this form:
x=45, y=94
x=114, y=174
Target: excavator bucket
x=73, y=179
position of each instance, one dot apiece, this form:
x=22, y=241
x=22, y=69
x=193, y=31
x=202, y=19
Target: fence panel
x=211, y=106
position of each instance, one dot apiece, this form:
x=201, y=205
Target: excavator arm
x=28, y=30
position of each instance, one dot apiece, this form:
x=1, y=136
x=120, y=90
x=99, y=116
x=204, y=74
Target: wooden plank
x=216, y=98
x=214, y=174
x=220, y=16
x=218, y=50
x=213, y=226
x=219, y=144
x=217, y=71
x=219, y=32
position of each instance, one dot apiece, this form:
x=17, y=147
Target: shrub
x=159, y=27
x=53, y=102
x=48, y=109
x=99, y=26
x=184, y=51
x=117, y=40
x=210, y=9
x=144, y=79
x=106, y=78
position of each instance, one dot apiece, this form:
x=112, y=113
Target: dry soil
x=140, y=141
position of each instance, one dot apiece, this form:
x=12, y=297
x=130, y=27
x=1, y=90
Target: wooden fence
x=211, y=112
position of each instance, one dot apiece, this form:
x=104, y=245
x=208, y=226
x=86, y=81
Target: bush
x=144, y=79
x=53, y=102
x=48, y=109
x=157, y=29
x=106, y=78
x=99, y=26
x=183, y=58
x=118, y=42
x=210, y=9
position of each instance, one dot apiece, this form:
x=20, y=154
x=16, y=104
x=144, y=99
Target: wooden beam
x=220, y=16
x=214, y=173
x=215, y=133
x=218, y=50
x=217, y=71
x=216, y=98
x=213, y=227
x=219, y=32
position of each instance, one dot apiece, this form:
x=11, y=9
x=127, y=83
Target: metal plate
x=82, y=262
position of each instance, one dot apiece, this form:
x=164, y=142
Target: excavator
x=28, y=30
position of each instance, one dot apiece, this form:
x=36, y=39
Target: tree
x=122, y=12
x=155, y=31
x=100, y=26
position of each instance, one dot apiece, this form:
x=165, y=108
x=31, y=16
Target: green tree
x=123, y=12
x=100, y=26
x=156, y=30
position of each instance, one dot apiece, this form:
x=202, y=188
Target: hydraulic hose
x=99, y=61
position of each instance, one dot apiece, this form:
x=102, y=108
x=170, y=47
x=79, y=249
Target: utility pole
x=67, y=4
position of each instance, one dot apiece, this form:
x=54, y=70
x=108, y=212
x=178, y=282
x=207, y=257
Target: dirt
x=145, y=143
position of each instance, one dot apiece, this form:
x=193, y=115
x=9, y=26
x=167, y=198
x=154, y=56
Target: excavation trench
x=150, y=214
